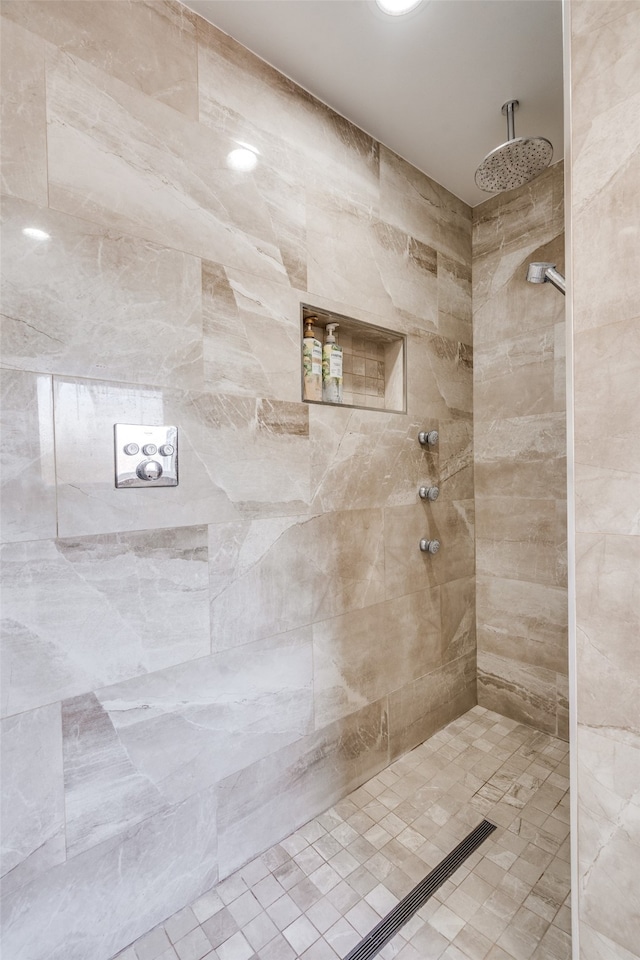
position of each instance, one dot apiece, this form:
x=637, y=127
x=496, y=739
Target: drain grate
x=396, y=918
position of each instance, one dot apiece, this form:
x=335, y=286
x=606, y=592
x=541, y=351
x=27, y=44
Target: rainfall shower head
x=515, y=162
x=546, y=273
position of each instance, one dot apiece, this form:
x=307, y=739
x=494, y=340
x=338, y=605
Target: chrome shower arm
x=552, y=275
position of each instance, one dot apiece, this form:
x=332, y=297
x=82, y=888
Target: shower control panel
x=146, y=456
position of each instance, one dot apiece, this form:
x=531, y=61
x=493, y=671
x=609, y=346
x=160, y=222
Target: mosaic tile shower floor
x=315, y=895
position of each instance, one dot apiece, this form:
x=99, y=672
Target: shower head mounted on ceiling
x=515, y=162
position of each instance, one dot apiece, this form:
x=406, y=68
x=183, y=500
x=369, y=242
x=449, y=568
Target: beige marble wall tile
x=504, y=304
x=360, y=459
x=608, y=613
x=519, y=540
x=535, y=210
x=560, y=367
x=135, y=165
x=606, y=498
x=515, y=377
x=609, y=835
x=439, y=376
x=144, y=875
x=363, y=655
x=266, y=801
x=135, y=748
x=419, y=709
x=28, y=477
x=82, y=613
x=423, y=208
x=521, y=456
x=398, y=274
x=455, y=455
x=254, y=103
x=517, y=690
x=458, y=618
x=454, y=299
x=92, y=303
x=595, y=946
x=24, y=123
x=607, y=370
x=33, y=816
x=407, y=569
x=237, y=457
x=270, y=576
x=612, y=88
x=523, y=620
x=605, y=207
x=252, y=334
x=108, y=35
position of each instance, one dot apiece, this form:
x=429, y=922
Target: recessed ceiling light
x=396, y=8
x=244, y=159
x=36, y=234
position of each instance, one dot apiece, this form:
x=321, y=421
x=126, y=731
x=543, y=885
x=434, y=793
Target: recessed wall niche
x=374, y=361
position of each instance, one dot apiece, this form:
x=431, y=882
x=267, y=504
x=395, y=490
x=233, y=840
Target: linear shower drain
x=374, y=941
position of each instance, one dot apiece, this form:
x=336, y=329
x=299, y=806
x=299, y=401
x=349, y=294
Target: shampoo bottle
x=331, y=368
x=311, y=363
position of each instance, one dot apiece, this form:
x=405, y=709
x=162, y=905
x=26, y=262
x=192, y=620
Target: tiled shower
x=191, y=673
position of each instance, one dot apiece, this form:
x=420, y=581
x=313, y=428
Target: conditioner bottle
x=331, y=368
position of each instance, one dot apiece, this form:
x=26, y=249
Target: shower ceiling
x=426, y=84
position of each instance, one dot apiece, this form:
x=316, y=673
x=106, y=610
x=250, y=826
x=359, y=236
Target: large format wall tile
x=521, y=457
x=399, y=275
x=525, y=693
x=143, y=876
x=609, y=883
x=28, y=477
x=608, y=611
x=523, y=620
x=24, y=128
x=138, y=166
x=257, y=105
x=439, y=374
x=82, y=613
x=407, y=569
x=526, y=543
x=515, y=377
x=266, y=801
x=168, y=70
x=605, y=207
x=33, y=814
x=419, y=709
x=251, y=334
x=92, y=303
x=238, y=456
x=352, y=667
x=270, y=576
x=607, y=362
x=454, y=299
x=358, y=460
x=423, y=208
x=170, y=292
x=133, y=749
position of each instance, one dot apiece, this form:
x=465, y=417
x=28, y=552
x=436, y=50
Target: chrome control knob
x=429, y=546
x=149, y=470
x=429, y=493
x=428, y=437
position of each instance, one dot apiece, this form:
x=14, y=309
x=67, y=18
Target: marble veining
x=81, y=613
x=217, y=662
x=33, y=803
x=27, y=454
x=89, y=302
